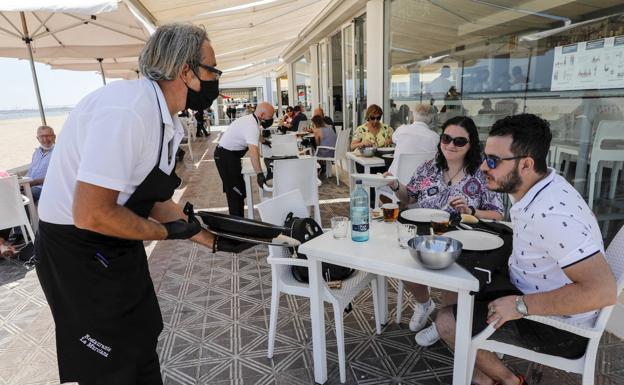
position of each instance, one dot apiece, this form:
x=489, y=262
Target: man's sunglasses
x=212, y=69
x=459, y=141
x=492, y=161
x=374, y=118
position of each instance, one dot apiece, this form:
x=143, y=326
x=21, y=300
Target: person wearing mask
x=452, y=181
x=200, y=117
x=41, y=160
x=298, y=116
x=242, y=136
x=415, y=137
x=108, y=189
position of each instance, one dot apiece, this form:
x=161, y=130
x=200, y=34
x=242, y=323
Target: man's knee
x=445, y=323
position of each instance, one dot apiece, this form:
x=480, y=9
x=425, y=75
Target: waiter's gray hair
x=423, y=113
x=169, y=48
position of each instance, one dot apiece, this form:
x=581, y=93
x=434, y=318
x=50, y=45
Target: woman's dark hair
x=329, y=122
x=472, y=161
x=318, y=122
x=530, y=135
x=289, y=109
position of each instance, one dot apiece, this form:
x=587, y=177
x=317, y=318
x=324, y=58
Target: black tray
x=241, y=226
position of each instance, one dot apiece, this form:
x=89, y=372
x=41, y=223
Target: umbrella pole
x=27, y=40
x=102, y=69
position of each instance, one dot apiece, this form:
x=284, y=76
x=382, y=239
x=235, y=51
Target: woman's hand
x=388, y=142
x=459, y=203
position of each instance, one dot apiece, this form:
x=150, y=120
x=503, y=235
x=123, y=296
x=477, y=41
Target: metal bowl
x=367, y=151
x=434, y=251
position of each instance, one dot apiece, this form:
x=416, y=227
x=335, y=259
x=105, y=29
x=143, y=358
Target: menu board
x=595, y=64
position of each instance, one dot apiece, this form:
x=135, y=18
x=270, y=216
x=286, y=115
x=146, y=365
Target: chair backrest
x=12, y=209
x=293, y=174
x=302, y=126
x=275, y=210
x=612, y=130
x=284, y=145
x=342, y=144
x=615, y=258
x=408, y=163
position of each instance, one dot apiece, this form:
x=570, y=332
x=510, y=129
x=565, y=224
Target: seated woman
x=324, y=135
x=452, y=181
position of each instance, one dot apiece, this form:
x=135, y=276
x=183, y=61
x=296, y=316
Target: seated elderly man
x=415, y=137
x=557, y=266
x=41, y=159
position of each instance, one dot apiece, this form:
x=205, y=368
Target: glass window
x=488, y=60
x=349, y=79
x=303, y=83
x=336, y=78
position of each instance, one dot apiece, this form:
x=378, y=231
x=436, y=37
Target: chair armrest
x=485, y=334
x=569, y=327
x=288, y=261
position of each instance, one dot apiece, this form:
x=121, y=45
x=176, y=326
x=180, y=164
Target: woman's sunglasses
x=492, y=161
x=374, y=118
x=459, y=141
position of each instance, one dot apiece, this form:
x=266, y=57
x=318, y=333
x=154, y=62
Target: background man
x=41, y=159
x=241, y=136
x=298, y=116
x=557, y=266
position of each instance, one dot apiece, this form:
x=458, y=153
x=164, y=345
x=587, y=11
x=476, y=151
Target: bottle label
x=362, y=227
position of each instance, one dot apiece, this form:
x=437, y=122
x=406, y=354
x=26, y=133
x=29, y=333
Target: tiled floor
x=216, y=307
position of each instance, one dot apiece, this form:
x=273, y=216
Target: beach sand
x=18, y=139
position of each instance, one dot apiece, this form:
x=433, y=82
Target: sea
x=30, y=113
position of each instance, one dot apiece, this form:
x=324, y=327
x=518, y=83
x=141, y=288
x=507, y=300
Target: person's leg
x=423, y=305
x=36, y=192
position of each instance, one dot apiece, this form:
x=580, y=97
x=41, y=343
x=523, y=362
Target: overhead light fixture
x=239, y=7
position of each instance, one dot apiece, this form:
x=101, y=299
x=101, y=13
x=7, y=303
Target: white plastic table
x=248, y=171
x=24, y=183
x=382, y=255
x=367, y=163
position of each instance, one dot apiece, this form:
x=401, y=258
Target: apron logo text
x=95, y=345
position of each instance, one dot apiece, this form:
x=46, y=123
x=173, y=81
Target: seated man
x=557, y=266
x=298, y=116
x=41, y=160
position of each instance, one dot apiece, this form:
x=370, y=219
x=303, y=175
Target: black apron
x=101, y=294
x=230, y=170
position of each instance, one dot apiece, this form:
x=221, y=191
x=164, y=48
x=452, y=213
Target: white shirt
x=553, y=229
x=111, y=140
x=411, y=139
x=241, y=133
x=439, y=87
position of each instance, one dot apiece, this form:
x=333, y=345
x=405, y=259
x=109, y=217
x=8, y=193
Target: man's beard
x=510, y=184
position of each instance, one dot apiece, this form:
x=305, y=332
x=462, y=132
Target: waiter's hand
x=181, y=229
x=261, y=179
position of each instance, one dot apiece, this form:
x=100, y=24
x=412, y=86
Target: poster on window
x=596, y=64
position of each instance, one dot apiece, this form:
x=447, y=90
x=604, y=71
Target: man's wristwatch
x=521, y=307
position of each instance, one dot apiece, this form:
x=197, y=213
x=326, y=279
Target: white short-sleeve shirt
x=411, y=139
x=553, y=229
x=110, y=139
x=241, y=133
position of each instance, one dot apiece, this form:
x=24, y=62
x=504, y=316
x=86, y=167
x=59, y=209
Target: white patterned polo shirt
x=554, y=228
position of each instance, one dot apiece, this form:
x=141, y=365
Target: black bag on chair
x=304, y=229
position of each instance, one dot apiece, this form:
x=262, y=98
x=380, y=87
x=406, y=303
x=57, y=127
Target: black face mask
x=266, y=123
x=202, y=99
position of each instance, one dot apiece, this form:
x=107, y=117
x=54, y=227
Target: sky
x=58, y=87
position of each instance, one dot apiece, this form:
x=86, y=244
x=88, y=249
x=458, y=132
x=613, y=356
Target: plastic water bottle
x=359, y=213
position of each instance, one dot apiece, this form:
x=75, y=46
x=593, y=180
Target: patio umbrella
x=46, y=29
x=124, y=67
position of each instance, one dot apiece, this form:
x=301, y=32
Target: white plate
x=420, y=215
x=374, y=180
x=388, y=156
x=476, y=240
x=385, y=149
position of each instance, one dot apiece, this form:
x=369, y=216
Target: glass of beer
x=440, y=222
x=390, y=212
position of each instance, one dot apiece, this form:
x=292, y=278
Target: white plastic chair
x=406, y=165
x=340, y=150
x=190, y=136
x=283, y=145
x=608, y=130
x=12, y=207
x=584, y=365
x=296, y=174
x=282, y=281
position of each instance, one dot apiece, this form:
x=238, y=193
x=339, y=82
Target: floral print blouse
x=428, y=187
x=385, y=132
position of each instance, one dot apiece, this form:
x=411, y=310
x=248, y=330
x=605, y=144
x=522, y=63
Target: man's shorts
x=526, y=333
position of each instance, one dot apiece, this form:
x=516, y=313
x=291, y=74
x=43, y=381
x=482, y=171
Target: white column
x=278, y=85
x=374, y=52
x=314, y=76
x=292, y=84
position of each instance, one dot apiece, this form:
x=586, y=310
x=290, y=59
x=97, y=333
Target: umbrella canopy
x=41, y=30
x=124, y=67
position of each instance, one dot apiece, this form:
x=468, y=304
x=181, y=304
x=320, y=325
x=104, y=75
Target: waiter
x=243, y=135
x=108, y=188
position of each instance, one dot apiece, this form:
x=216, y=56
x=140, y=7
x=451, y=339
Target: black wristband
x=473, y=211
